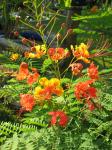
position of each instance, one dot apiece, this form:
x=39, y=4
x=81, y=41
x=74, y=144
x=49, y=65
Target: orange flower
x=76, y=68
x=93, y=71
x=50, y=87
x=63, y=119
x=42, y=94
x=23, y=71
x=56, y=53
x=81, y=52
x=84, y=90
x=27, y=101
x=32, y=78
x=58, y=91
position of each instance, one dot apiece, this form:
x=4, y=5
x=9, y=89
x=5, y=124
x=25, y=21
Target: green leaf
x=68, y=3
x=46, y=64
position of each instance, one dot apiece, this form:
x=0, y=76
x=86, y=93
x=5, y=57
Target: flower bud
x=24, y=40
x=59, y=36
x=94, y=9
x=63, y=25
x=70, y=31
x=33, y=49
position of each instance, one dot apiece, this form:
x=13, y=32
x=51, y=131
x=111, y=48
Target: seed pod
x=24, y=40
x=63, y=25
x=70, y=31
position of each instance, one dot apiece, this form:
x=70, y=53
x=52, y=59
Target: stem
x=58, y=71
x=64, y=38
x=51, y=29
x=68, y=66
x=54, y=38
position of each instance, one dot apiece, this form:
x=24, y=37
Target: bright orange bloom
x=32, y=78
x=23, y=71
x=49, y=88
x=63, y=119
x=76, y=68
x=57, y=91
x=84, y=90
x=27, y=101
x=93, y=71
x=56, y=53
x=81, y=52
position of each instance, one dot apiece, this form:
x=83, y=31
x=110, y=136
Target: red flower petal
x=62, y=116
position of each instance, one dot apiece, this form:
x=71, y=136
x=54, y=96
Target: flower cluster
x=93, y=71
x=84, y=90
x=81, y=52
x=48, y=88
x=24, y=73
x=36, y=52
x=76, y=68
x=58, y=53
x=27, y=101
x=63, y=119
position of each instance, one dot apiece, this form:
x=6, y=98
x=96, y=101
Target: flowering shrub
x=45, y=90
x=57, y=91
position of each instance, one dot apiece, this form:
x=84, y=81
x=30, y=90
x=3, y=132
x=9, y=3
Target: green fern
x=7, y=129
